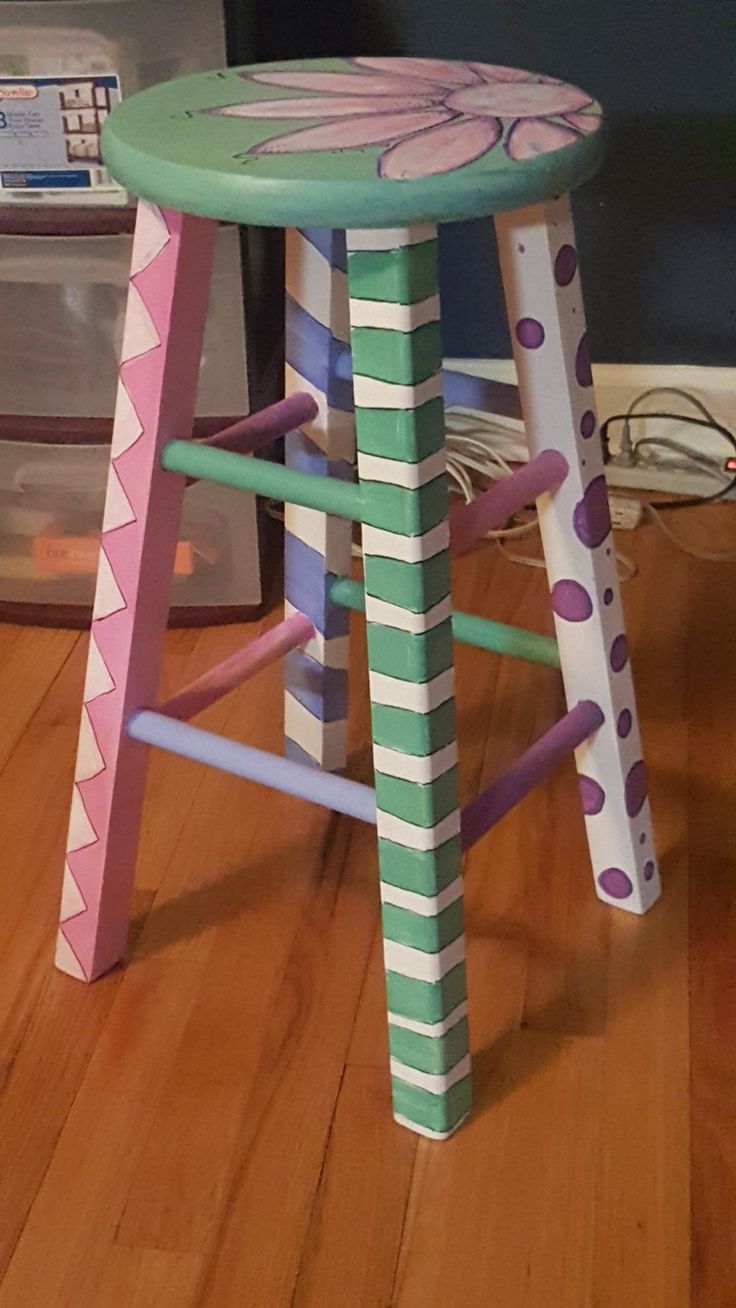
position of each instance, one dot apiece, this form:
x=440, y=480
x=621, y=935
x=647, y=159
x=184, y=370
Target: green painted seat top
x=354, y=142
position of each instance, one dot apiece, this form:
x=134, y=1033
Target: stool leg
x=394, y=311
x=318, y=545
x=546, y=316
x=164, y=324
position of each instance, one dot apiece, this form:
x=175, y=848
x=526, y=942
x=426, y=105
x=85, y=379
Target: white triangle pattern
x=71, y=896
x=98, y=680
x=81, y=831
x=89, y=759
x=118, y=508
x=127, y=426
x=108, y=596
x=151, y=235
x=66, y=959
x=139, y=335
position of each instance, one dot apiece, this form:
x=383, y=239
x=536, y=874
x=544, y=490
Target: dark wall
x=657, y=227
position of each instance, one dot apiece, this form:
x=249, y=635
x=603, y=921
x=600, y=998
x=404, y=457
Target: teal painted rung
x=328, y=494
x=469, y=629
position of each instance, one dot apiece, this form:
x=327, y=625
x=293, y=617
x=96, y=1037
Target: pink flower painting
x=431, y=115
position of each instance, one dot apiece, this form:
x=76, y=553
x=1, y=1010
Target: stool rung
x=258, y=429
x=468, y=522
x=337, y=793
x=328, y=494
x=498, y=637
x=497, y=799
x=233, y=671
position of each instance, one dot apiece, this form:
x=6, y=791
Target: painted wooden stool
x=381, y=149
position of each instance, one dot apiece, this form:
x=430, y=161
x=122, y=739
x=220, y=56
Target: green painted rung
x=471, y=630
x=328, y=494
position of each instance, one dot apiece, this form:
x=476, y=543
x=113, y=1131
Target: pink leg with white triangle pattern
x=162, y=345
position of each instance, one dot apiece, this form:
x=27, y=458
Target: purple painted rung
x=236, y=669
x=470, y=521
x=497, y=799
x=258, y=429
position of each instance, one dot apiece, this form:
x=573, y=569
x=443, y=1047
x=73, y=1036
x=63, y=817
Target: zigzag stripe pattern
x=103, y=834
x=317, y=546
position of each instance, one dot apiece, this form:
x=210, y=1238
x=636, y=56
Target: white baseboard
x=617, y=384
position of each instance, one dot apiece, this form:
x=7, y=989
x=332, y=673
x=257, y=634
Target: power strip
x=616, y=385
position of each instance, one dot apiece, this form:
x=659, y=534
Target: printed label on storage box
x=50, y=135
x=57, y=554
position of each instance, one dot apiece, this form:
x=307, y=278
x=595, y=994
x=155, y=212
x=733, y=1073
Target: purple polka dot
x=566, y=265
x=635, y=789
x=592, y=796
x=607, y=595
x=522, y=249
x=591, y=517
x=648, y=870
x=582, y=363
x=643, y=838
x=530, y=333
x=619, y=655
x=615, y=883
x=587, y=424
x=571, y=601
x=623, y=725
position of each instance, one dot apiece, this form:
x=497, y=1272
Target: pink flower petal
x=517, y=99
x=337, y=83
x=350, y=133
x=533, y=136
x=446, y=72
x=585, y=122
x=324, y=106
x=440, y=149
x=499, y=73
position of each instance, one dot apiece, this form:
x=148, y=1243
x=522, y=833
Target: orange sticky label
x=54, y=555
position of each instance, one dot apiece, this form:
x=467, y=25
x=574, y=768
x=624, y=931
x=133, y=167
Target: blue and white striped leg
x=318, y=545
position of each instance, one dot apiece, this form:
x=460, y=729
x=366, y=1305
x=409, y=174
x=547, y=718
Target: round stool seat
x=368, y=142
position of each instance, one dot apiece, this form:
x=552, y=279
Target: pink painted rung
x=497, y=799
x=250, y=434
x=468, y=522
x=233, y=671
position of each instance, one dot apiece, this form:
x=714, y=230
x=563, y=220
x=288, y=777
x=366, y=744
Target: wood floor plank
x=711, y=769
x=30, y=659
x=148, y=1278
x=500, y=1214
x=352, y=1244
x=292, y=1104
x=70, y=1229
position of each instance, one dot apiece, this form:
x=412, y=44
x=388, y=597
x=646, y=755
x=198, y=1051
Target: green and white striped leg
x=394, y=328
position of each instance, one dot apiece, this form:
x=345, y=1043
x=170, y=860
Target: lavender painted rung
x=258, y=429
x=247, y=436
x=497, y=799
x=470, y=521
x=333, y=792
x=233, y=671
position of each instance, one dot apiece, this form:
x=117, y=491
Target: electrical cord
x=631, y=448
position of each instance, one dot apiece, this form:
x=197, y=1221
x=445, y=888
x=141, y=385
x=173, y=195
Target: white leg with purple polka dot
x=545, y=308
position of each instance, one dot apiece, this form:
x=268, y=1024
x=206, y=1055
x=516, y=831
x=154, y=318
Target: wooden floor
x=211, y=1125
